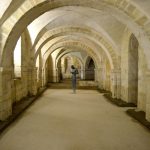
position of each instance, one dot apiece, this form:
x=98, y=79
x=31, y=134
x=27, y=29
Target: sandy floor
x=60, y=120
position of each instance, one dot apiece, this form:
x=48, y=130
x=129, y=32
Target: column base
x=5, y=110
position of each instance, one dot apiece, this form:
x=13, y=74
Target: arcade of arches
x=107, y=40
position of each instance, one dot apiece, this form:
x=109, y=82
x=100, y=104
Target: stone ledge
x=118, y=102
x=139, y=116
x=67, y=85
x=102, y=91
x=18, y=109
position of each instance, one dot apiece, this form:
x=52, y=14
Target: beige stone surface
x=60, y=120
x=50, y=30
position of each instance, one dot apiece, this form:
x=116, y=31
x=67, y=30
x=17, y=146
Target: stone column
x=55, y=75
x=96, y=74
x=24, y=79
x=116, y=83
x=107, y=82
x=113, y=84
x=41, y=76
x=5, y=93
x=44, y=77
x=148, y=96
x=83, y=73
x=33, y=80
x=100, y=77
x=41, y=73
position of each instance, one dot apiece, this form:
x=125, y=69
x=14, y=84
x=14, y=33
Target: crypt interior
x=108, y=41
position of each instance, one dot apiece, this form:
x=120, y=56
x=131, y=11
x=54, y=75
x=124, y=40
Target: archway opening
x=133, y=70
x=90, y=69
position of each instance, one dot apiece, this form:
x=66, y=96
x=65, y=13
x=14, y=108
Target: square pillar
x=116, y=83
x=148, y=96
x=32, y=78
x=34, y=81
x=5, y=93
x=100, y=77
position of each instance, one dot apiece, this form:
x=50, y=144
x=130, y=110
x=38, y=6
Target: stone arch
x=94, y=47
x=43, y=6
x=133, y=73
x=79, y=59
x=54, y=45
x=13, y=23
x=64, y=53
x=89, y=69
x=122, y=5
x=73, y=45
x=133, y=56
x=105, y=46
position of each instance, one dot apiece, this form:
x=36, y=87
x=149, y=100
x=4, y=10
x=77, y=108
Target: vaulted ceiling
x=96, y=25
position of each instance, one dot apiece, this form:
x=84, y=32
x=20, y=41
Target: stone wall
x=125, y=75
x=98, y=39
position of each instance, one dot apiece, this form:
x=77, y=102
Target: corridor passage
x=60, y=120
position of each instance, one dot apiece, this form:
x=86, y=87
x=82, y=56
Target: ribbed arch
x=109, y=52
x=42, y=6
x=72, y=45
